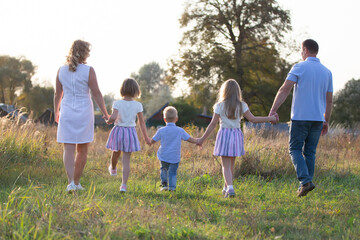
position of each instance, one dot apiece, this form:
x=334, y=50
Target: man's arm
x=281, y=96
x=329, y=101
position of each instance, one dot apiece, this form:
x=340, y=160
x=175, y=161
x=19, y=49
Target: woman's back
x=75, y=83
x=76, y=123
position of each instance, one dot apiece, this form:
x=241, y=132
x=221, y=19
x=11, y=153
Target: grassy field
x=34, y=204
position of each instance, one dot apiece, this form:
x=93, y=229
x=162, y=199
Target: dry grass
x=266, y=152
x=34, y=204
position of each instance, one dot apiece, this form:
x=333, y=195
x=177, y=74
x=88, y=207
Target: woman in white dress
x=74, y=110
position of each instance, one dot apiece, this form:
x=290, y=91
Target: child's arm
x=143, y=127
x=210, y=128
x=249, y=116
x=192, y=140
x=113, y=116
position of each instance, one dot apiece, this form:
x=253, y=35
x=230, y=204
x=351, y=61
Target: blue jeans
x=304, y=138
x=168, y=171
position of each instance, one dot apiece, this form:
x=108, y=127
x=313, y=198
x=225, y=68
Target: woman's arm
x=58, y=94
x=249, y=116
x=210, y=127
x=143, y=127
x=95, y=91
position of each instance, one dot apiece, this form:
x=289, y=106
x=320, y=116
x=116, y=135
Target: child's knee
x=116, y=153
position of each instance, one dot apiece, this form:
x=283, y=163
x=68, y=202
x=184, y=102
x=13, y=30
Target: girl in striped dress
x=123, y=137
x=229, y=144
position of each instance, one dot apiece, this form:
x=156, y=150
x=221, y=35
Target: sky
x=125, y=35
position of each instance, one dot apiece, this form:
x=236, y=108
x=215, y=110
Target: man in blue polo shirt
x=169, y=152
x=310, y=111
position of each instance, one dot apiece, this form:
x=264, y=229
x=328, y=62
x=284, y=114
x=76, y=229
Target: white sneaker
x=123, y=188
x=71, y=187
x=164, y=188
x=113, y=172
x=79, y=187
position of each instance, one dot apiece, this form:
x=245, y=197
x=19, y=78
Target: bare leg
x=114, y=158
x=126, y=166
x=232, y=170
x=81, y=157
x=226, y=167
x=232, y=167
x=69, y=160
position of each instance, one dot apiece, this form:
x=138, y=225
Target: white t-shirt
x=225, y=122
x=127, y=112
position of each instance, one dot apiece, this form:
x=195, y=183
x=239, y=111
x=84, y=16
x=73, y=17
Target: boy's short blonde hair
x=130, y=88
x=170, y=114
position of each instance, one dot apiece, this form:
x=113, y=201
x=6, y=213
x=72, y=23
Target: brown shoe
x=307, y=187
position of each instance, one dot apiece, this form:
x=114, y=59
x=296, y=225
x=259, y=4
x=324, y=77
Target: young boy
x=169, y=152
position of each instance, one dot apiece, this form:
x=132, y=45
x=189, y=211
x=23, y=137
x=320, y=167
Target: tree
x=160, y=96
x=232, y=39
x=109, y=99
x=154, y=91
x=15, y=73
x=186, y=112
x=37, y=99
x=346, y=102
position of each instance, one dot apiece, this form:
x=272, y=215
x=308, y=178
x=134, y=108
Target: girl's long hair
x=78, y=54
x=230, y=94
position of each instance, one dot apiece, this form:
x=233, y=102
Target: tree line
x=222, y=39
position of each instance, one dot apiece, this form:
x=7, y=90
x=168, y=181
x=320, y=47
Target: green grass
x=34, y=204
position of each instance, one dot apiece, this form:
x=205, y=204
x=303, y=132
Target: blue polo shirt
x=170, y=142
x=313, y=80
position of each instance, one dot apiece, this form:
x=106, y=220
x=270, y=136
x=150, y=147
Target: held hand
x=325, y=128
x=105, y=117
x=108, y=119
x=148, y=141
x=274, y=117
x=199, y=141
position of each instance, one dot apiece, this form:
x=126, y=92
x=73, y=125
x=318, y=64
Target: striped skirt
x=229, y=143
x=123, y=139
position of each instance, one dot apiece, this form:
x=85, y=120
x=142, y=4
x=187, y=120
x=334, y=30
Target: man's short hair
x=170, y=113
x=311, y=45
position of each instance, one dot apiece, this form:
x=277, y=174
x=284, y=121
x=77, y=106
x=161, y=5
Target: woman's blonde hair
x=78, y=54
x=130, y=88
x=230, y=94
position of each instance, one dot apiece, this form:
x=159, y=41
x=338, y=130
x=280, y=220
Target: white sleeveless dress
x=76, y=123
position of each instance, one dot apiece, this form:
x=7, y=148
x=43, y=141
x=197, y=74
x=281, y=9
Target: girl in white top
x=229, y=140
x=123, y=136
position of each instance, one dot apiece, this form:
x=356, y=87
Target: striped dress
x=123, y=137
x=229, y=139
